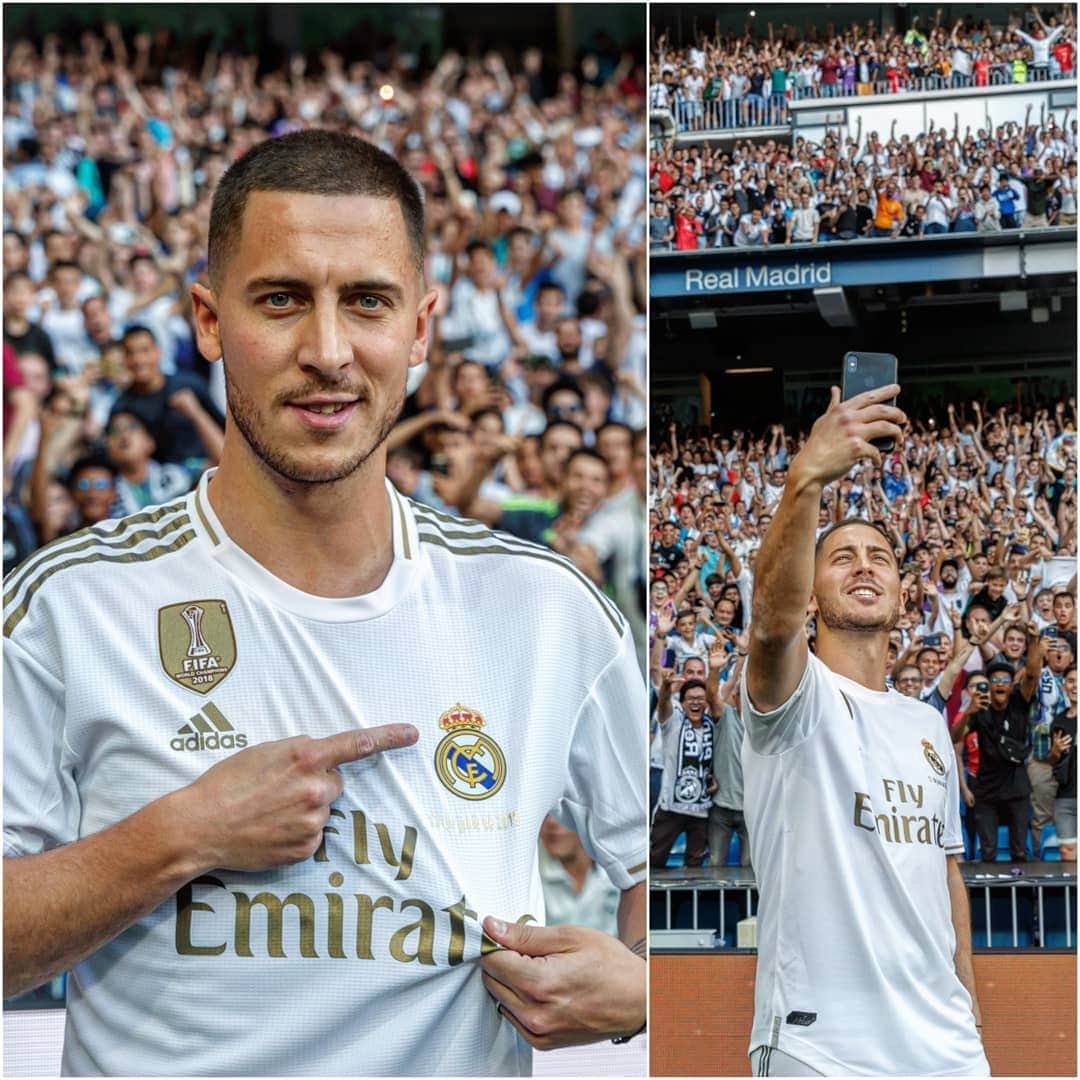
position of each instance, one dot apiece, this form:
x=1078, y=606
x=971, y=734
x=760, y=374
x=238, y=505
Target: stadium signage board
x=743, y=278
x=722, y=274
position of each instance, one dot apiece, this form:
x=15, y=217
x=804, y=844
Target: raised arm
x=785, y=569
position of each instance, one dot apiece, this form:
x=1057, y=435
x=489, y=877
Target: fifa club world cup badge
x=932, y=758
x=196, y=643
x=468, y=762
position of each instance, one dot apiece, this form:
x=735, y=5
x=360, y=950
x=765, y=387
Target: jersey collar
x=408, y=563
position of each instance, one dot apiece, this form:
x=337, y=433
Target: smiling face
x=856, y=581
x=317, y=317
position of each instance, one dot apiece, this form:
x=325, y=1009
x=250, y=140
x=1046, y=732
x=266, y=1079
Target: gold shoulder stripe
x=528, y=553
x=129, y=541
x=404, y=525
x=94, y=534
x=447, y=519
x=637, y=869
x=513, y=545
x=119, y=556
x=203, y=518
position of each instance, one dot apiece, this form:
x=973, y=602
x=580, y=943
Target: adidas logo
x=208, y=730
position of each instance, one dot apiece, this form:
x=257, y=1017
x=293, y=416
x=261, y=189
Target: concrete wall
x=702, y=1006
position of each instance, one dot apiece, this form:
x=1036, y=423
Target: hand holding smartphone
x=868, y=371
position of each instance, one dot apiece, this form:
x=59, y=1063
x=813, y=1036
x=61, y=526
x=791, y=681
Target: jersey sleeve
x=604, y=796
x=794, y=721
x=954, y=837
x=41, y=801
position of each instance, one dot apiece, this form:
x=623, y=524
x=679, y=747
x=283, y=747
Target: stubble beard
x=835, y=617
x=250, y=423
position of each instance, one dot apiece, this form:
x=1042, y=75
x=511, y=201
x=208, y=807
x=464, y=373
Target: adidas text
x=228, y=741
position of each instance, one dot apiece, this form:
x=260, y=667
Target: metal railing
x=771, y=109
x=1037, y=909
x=1026, y=231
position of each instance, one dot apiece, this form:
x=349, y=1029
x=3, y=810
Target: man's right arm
x=264, y=806
x=784, y=577
x=62, y=905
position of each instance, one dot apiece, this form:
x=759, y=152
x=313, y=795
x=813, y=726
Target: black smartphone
x=867, y=371
x=932, y=641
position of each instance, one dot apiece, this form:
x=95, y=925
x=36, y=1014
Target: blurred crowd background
x=528, y=139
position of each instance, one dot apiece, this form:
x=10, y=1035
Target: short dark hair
x=90, y=461
x=311, y=163
x=562, y=384
x=591, y=455
x=847, y=523
x=557, y=424
x=138, y=328
x=617, y=425
x=693, y=684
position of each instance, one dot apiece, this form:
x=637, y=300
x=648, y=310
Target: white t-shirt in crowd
x=851, y=800
x=474, y=315
x=142, y=652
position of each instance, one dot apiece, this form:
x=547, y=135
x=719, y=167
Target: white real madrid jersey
x=851, y=801
x=142, y=651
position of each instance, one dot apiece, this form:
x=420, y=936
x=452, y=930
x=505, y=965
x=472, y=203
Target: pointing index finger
x=364, y=742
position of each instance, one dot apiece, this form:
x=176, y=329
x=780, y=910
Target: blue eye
x=278, y=300
x=370, y=302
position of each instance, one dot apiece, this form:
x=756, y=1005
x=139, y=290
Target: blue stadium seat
x=678, y=852
x=1048, y=844
x=1003, y=844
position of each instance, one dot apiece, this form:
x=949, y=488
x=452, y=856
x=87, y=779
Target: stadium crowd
x=767, y=193
x=730, y=80
x=530, y=412
x=980, y=503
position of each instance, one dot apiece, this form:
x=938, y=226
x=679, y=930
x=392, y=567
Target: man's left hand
x=564, y=985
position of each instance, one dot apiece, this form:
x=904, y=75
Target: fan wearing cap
x=1002, y=789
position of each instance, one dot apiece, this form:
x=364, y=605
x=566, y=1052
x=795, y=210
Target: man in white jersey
x=851, y=800
x=208, y=819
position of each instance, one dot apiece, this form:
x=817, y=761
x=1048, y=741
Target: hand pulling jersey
x=851, y=801
x=141, y=652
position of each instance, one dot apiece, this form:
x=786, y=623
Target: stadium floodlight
x=747, y=370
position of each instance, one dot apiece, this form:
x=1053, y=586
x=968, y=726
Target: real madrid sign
x=468, y=762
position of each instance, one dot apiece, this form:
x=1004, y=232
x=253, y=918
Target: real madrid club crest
x=196, y=643
x=688, y=786
x=931, y=756
x=468, y=762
